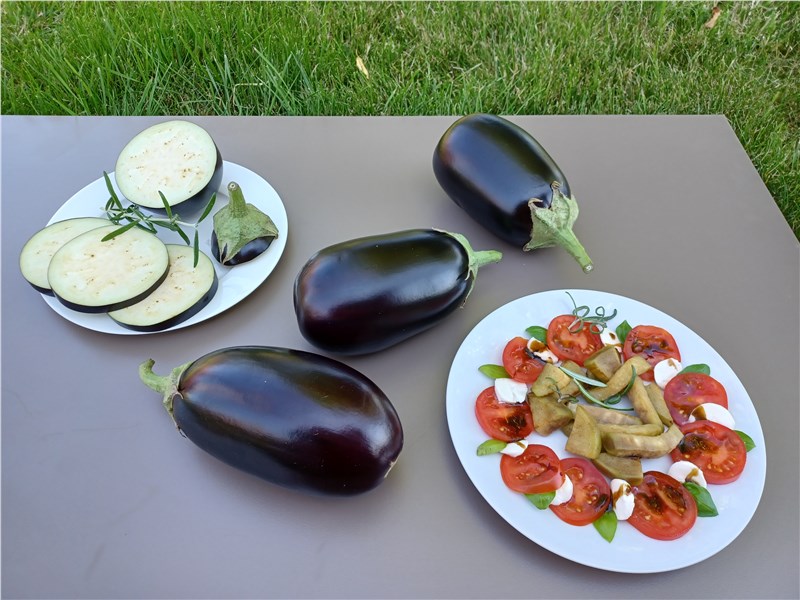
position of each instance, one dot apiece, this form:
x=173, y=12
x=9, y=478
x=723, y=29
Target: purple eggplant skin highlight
x=506, y=181
x=367, y=294
x=294, y=418
x=250, y=250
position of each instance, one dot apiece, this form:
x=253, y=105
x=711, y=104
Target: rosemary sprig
x=597, y=322
x=132, y=216
x=608, y=403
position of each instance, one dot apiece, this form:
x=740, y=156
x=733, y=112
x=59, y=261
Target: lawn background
x=419, y=58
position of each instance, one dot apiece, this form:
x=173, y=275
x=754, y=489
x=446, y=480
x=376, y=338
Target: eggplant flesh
x=293, y=418
x=505, y=179
x=179, y=159
x=370, y=293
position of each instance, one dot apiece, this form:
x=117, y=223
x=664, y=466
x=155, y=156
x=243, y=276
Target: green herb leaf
x=494, y=371
x=196, y=247
x=622, y=331
x=208, y=208
x=167, y=207
x=596, y=322
x=699, y=368
x=606, y=525
x=117, y=232
x=490, y=447
x=540, y=333
x=749, y=444
x=582, y=378
x=541, y=501
x=705, y=504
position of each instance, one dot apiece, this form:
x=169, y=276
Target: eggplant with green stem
x=293, y=418
x=241, y=231
x=505, y=180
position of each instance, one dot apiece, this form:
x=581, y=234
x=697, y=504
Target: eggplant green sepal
x=476, y=258
x=167, y=386
x=552, y=226
x=240, y=223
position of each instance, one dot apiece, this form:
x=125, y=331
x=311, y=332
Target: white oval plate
x=235, y=283
x=630, y=551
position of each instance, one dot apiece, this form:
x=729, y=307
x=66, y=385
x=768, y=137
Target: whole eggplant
x=505, y=180
x=293, y=418
x=370, y=293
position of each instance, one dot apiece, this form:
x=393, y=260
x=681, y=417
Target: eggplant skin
x=294, y=418
x=370, y=293
x=491, y=168
x=253, y=249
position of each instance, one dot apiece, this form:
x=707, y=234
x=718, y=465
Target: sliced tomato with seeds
x=663, y=508
x=717, y=450
x=687, y=391
x=519, y=363
x=571, y=341
x=535, y=471
x=503, y=421
x=652, y=343
x=591, y=493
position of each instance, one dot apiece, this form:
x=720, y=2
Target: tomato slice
x=663, y=509
x=686, y=391
x=717, y=450
x=503, y=421
x=653, y=343
x=520, y=365
x=569, y=345
x=535, y=471
x=591, y=493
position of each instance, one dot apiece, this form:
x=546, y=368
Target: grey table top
x=102, y=498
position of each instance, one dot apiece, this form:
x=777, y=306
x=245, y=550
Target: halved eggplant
x=38, y=251
x=91, y=275
x=186, y=290
x=294, y=418
x=178, y=159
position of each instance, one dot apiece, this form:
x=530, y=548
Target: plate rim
x=498, y=500
x=252, y=274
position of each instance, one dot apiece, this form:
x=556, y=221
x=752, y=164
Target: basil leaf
x=606, y=525
x=540, y=333
x=494, y=371
x=541, y=501
x=705, y=504
x=622, y=331
x=749, y=444
x=490, y=447
x=699, y=368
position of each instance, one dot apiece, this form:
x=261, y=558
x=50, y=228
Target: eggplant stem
x=553, y=226
x=236, y=204
x=167, y=386
x=476, y=258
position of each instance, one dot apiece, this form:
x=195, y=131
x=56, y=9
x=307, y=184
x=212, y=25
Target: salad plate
x=629, y=551
x=235, y=283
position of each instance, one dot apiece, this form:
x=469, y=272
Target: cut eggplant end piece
x=251, y=250
x=91, y=275
x=38, y=251
x=186, y=290
x=178, y=159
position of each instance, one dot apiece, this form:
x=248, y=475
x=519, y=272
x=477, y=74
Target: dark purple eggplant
x=505, y=180
x=370, y=293
x=241, y=231
x=293, y=418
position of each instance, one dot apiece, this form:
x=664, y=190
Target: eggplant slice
x=185, y=292
x=93, y=276
x=38, y=251
x=178, y=159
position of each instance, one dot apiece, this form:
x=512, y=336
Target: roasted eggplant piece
x=505, y=180
x=294, y=418
x=371, y=293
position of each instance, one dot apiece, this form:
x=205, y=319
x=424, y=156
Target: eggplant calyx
x=552, y=226
x=167, y=386
x=475, y=258
x=239, y=223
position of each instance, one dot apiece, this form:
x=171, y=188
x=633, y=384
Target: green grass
x=276, y=58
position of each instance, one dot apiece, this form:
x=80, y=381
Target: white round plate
x=630, y=551
x=235, y=283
